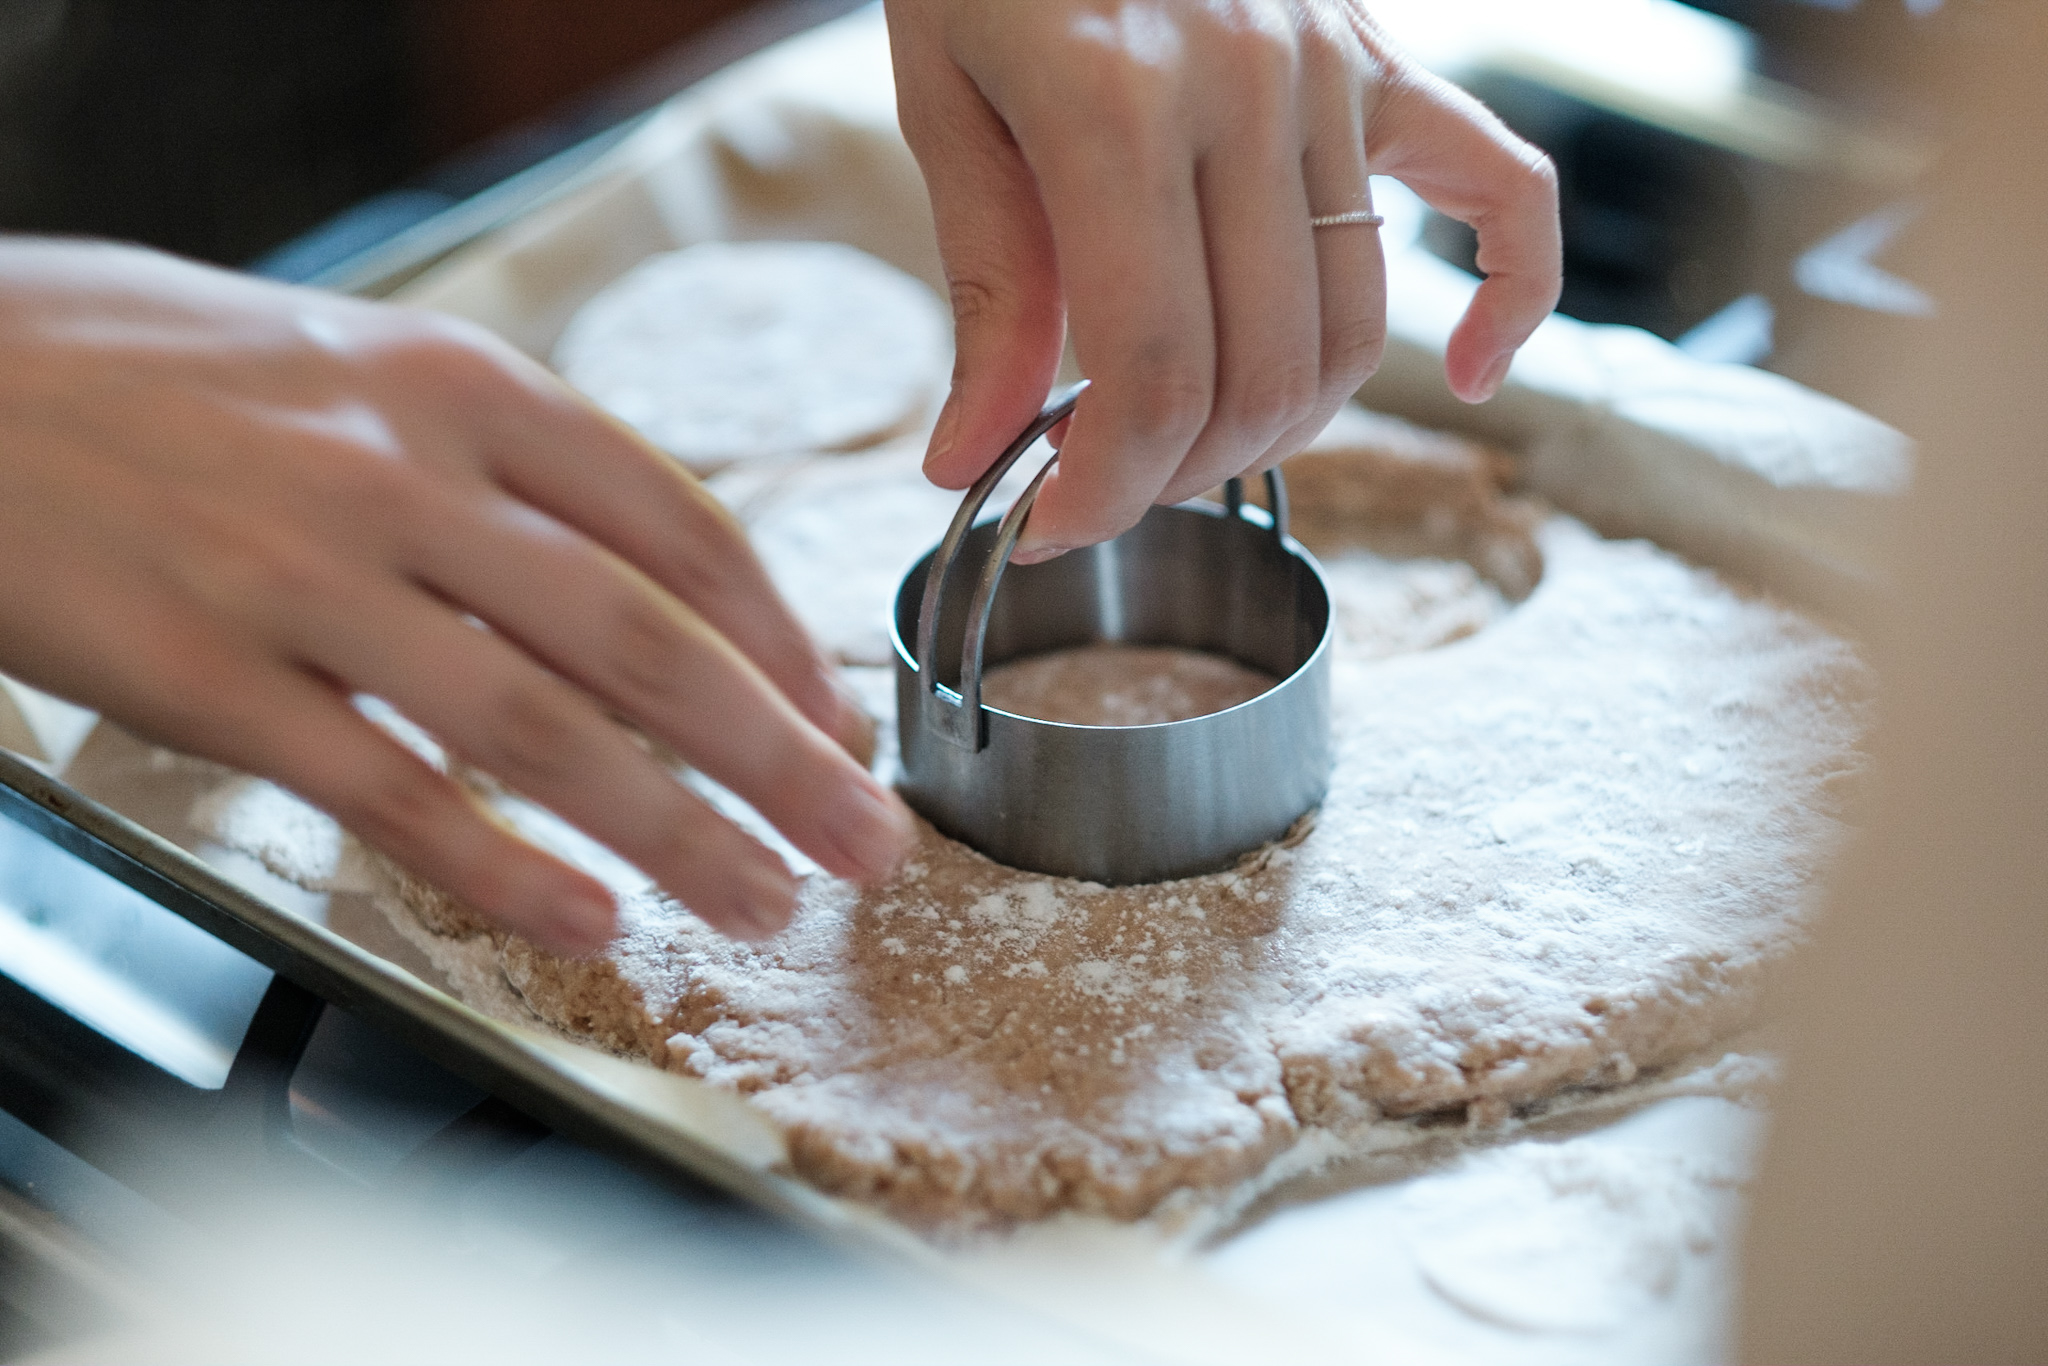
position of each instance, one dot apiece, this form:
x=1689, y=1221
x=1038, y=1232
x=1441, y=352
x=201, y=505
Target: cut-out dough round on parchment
x=732, y=351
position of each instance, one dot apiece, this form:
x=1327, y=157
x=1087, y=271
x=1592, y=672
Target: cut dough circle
x=731, y=351
x=1109, y=684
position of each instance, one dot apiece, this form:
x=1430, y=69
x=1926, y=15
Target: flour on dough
x=730, y=351
x=1554, y=854
x=1121, y=685
x=1581, y=792
x=837, y=537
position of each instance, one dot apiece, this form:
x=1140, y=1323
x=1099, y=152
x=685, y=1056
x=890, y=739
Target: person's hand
x=1145, y=170
x=227, y=508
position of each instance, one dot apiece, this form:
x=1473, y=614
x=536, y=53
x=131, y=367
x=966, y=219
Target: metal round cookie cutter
x=1115, y=804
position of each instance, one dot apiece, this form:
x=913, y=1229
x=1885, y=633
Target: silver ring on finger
x=1362, y=218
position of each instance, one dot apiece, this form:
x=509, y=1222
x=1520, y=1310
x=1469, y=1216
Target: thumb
x=1009, y=323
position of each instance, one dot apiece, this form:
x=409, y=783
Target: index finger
x=1453, y=151
x=548, y=447
x=1127, y=234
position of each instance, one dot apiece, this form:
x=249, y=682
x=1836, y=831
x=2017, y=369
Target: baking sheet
x=1597, y=1232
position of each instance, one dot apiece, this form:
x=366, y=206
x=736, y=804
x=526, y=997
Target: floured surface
x=837, y=537
x=1561, y=847
x=1121, y=685
x=1553, y=854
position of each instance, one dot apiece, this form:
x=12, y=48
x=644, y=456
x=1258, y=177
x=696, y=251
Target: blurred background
x=1734, y=171
x=224, y=128
x=288, y=136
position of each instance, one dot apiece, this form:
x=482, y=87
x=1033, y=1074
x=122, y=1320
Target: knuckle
x=1090, y=520
x=976, y=300
x=490, y=878
x=534, y=732
x=1138, y=118
x=644, y=654
x=784, y=763
x=922, y=118
x=260, y=575
x=707, y=568
x=1131, y=93
x=355, y=485
x=1275, y=400
x=203, y=684
x=292, y=574
x=1352, y=348
x=397, y=806
x=995, y=301
x=433, y=350
x=1167, y=399
x=1325, y=45
x=1265, y=58
x=427, y=327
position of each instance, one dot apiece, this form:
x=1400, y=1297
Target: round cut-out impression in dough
x=728, y=351
x=1110, y=684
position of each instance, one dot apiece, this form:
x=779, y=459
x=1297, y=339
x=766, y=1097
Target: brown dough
x=1563, y=847
x=1121, y=685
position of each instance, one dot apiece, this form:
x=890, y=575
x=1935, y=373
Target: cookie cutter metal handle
x=956, y=713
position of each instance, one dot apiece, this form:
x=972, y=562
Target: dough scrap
x=732, y=351
x=1561, y=849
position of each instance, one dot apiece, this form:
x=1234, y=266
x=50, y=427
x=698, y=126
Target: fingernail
x=855, y=729
x=857, y=737
x=767, y=902
x=943, y=432
x=583, y=924
x=1490, y=383
x=1036, y=554
x=872, y=831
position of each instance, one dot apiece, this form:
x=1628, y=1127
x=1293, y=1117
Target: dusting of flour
x=1580, y=793
x=1121, y=685
x=1556, y=851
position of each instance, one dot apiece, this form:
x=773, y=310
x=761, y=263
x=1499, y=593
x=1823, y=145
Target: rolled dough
x=1562, y=847
x=729, y=351
x=1121, y=685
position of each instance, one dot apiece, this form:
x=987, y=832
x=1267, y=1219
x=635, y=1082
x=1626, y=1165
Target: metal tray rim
x=488, y=1052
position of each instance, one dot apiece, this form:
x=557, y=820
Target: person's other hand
x=228, y=507
x=1145, y=170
